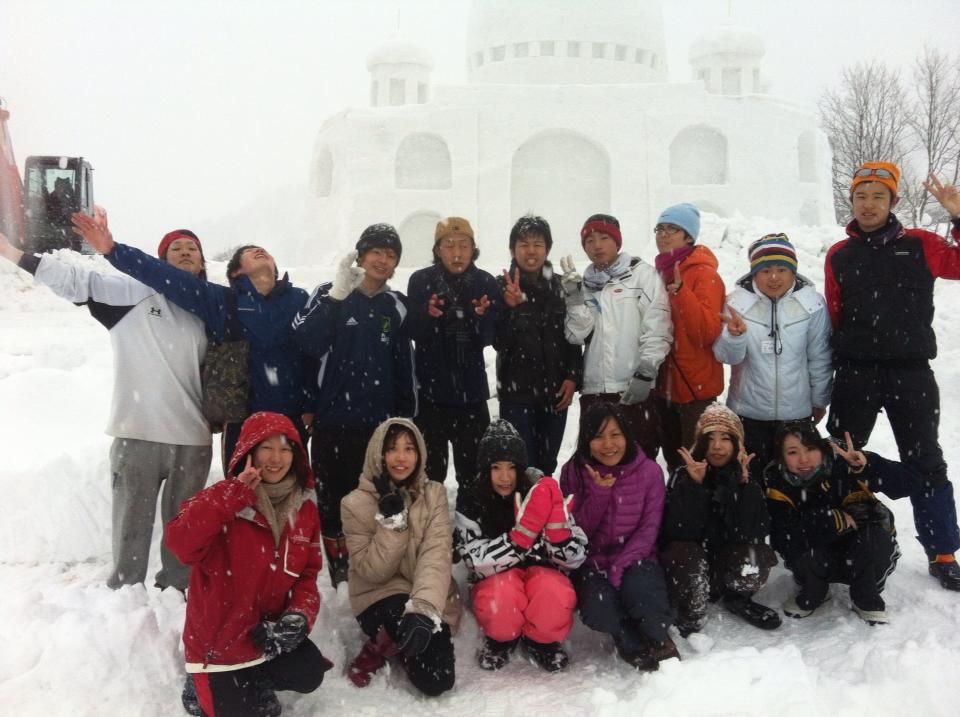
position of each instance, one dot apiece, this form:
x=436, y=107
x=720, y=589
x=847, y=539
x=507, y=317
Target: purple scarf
x=666, y=262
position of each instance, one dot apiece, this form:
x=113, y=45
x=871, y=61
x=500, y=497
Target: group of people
x=384, y=386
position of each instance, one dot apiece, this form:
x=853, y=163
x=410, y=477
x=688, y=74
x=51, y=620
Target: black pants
x=337, y=456
x=237, y=693
x=635, y=613
x=911, y=398
x=643, y=417
x=694, y=575
x=463, y=426
x=433, y=670
x=759, y=438
x=861, y=559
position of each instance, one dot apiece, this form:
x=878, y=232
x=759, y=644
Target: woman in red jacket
x=253, y=543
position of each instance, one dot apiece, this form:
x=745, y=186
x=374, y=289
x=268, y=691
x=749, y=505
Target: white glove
x=571, y=281
x=349, y=277
x=637, y=391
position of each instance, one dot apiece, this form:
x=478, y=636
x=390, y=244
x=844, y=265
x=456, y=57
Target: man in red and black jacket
x=879, y=290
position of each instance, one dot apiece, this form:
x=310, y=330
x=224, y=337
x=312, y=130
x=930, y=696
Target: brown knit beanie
x=718, y=417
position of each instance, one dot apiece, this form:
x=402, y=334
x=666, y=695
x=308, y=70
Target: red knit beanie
x=171, y=237
x=604, y=224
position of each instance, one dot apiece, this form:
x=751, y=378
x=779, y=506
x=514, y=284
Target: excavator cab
x=54, y=188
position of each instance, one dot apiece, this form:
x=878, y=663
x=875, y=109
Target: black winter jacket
x=533, y=355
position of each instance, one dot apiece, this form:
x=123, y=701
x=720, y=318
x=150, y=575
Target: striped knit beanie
x=772, y=250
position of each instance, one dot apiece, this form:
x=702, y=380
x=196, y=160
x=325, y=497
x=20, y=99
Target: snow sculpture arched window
x=698, y=155
x=807, y=156
x=416, y=234
x=323, y=172
x=563, y=176
x=423, y=162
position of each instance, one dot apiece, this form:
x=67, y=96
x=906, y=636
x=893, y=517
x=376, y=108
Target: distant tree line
x=876, y=113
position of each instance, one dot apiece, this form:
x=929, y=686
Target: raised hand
x=674, y=286
x=744, y=459
x=481, y=305
x=434, y=306
x=349, y=276
x=736, y=326
x=947, y=194
x=854, y=458
x=249, y=476
x=606, y=481
x=565, y=394
x=94, y=230
x=697, y=470
x=571, y=280
x=512, y=294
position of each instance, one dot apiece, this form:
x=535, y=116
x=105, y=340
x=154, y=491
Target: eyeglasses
x=871, y=172
x=666, y=229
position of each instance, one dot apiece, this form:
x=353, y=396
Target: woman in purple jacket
x=618, y=502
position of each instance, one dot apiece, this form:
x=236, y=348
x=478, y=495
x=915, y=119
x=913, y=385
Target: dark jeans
x=433, y=670
x=463, y=426
x=862, y=559
x=337, y=456
x=694, y=574
x=644, y=421
x=541, y=428
x=237, y=693
x=911, y=398
x=678, y=424
x=636, y=612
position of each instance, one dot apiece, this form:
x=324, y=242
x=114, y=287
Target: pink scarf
x=666, y=262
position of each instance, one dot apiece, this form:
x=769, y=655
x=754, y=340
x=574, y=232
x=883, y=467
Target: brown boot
x=666, y=650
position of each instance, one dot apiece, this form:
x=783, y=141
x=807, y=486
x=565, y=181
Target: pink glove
x=533, y=512
x=557, y=530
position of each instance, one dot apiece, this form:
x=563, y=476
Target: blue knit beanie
x=685, y=215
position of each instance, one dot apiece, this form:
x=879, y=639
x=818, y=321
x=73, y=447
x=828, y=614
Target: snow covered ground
x=70, y=646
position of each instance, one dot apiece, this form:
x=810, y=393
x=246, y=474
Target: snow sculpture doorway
x=698, y=155
x=416, y=235
x=423, y=162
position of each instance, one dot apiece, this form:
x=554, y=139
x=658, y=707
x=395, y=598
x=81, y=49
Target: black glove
x=391, y=502
x=284, y=635
x=415, y=633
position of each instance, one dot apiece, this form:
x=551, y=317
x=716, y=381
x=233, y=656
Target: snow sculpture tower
x=399, y=74
x=727, y=60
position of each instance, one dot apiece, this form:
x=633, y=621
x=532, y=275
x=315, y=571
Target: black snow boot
x=756, y=614
x=640, y=657
x=188, y=696
x=947, y=572
x=493, y=654
x=267, y=703
x=549, y=655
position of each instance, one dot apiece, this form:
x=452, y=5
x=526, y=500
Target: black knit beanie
x=382, y=236
x=501, y=442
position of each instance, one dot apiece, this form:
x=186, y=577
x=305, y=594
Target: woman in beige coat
x=398, y=531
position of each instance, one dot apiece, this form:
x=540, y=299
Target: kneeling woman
x=714, y=532
x=398, y=532
x=827, y=523
x=253, y=542
x=618, y=495
x=516, y=539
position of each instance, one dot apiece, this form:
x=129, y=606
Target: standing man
x=160, y=437
x=691, y=378
x=538, y=370
x=357, y=329
x=453, y=310
x=619, y=309
x=879, y=289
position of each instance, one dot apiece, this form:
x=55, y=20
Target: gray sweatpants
x=138, y=469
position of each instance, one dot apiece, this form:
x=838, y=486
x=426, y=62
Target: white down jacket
x=781, y=365
x=626, y=326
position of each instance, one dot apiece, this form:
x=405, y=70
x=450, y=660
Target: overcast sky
x=192, y=109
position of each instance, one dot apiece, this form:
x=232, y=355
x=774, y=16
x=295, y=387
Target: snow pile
x=73, y=647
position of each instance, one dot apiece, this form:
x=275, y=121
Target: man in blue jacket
x=357, y=328
x=453, y=311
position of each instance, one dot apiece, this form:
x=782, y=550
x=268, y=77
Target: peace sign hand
x=744, y=460
x=512, y=294
x=736, y=326
x=250, y=476
x=674, y=286
x=854, y=458
x=947, y=194
x=602, y=481
x=697, y=470
x=481, y=305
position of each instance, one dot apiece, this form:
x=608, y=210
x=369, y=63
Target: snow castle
x=567, y=111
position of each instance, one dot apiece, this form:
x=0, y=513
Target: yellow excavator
x=35, y=211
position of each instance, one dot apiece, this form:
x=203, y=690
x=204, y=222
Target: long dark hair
x=591, y=423
x=702, y=443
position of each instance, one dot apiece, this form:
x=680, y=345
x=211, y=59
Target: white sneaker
x=872, y=617
x=791, y=609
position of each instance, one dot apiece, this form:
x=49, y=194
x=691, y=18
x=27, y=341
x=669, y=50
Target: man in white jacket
x=777, y=341
x=160, y=435
x=620, y=311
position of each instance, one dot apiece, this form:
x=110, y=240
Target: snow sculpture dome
x=399, y=74
x=728, y=59
x=565, y=42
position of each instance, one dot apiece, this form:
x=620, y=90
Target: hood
x=259, y=427
x=700, y=256
x=373, y=461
